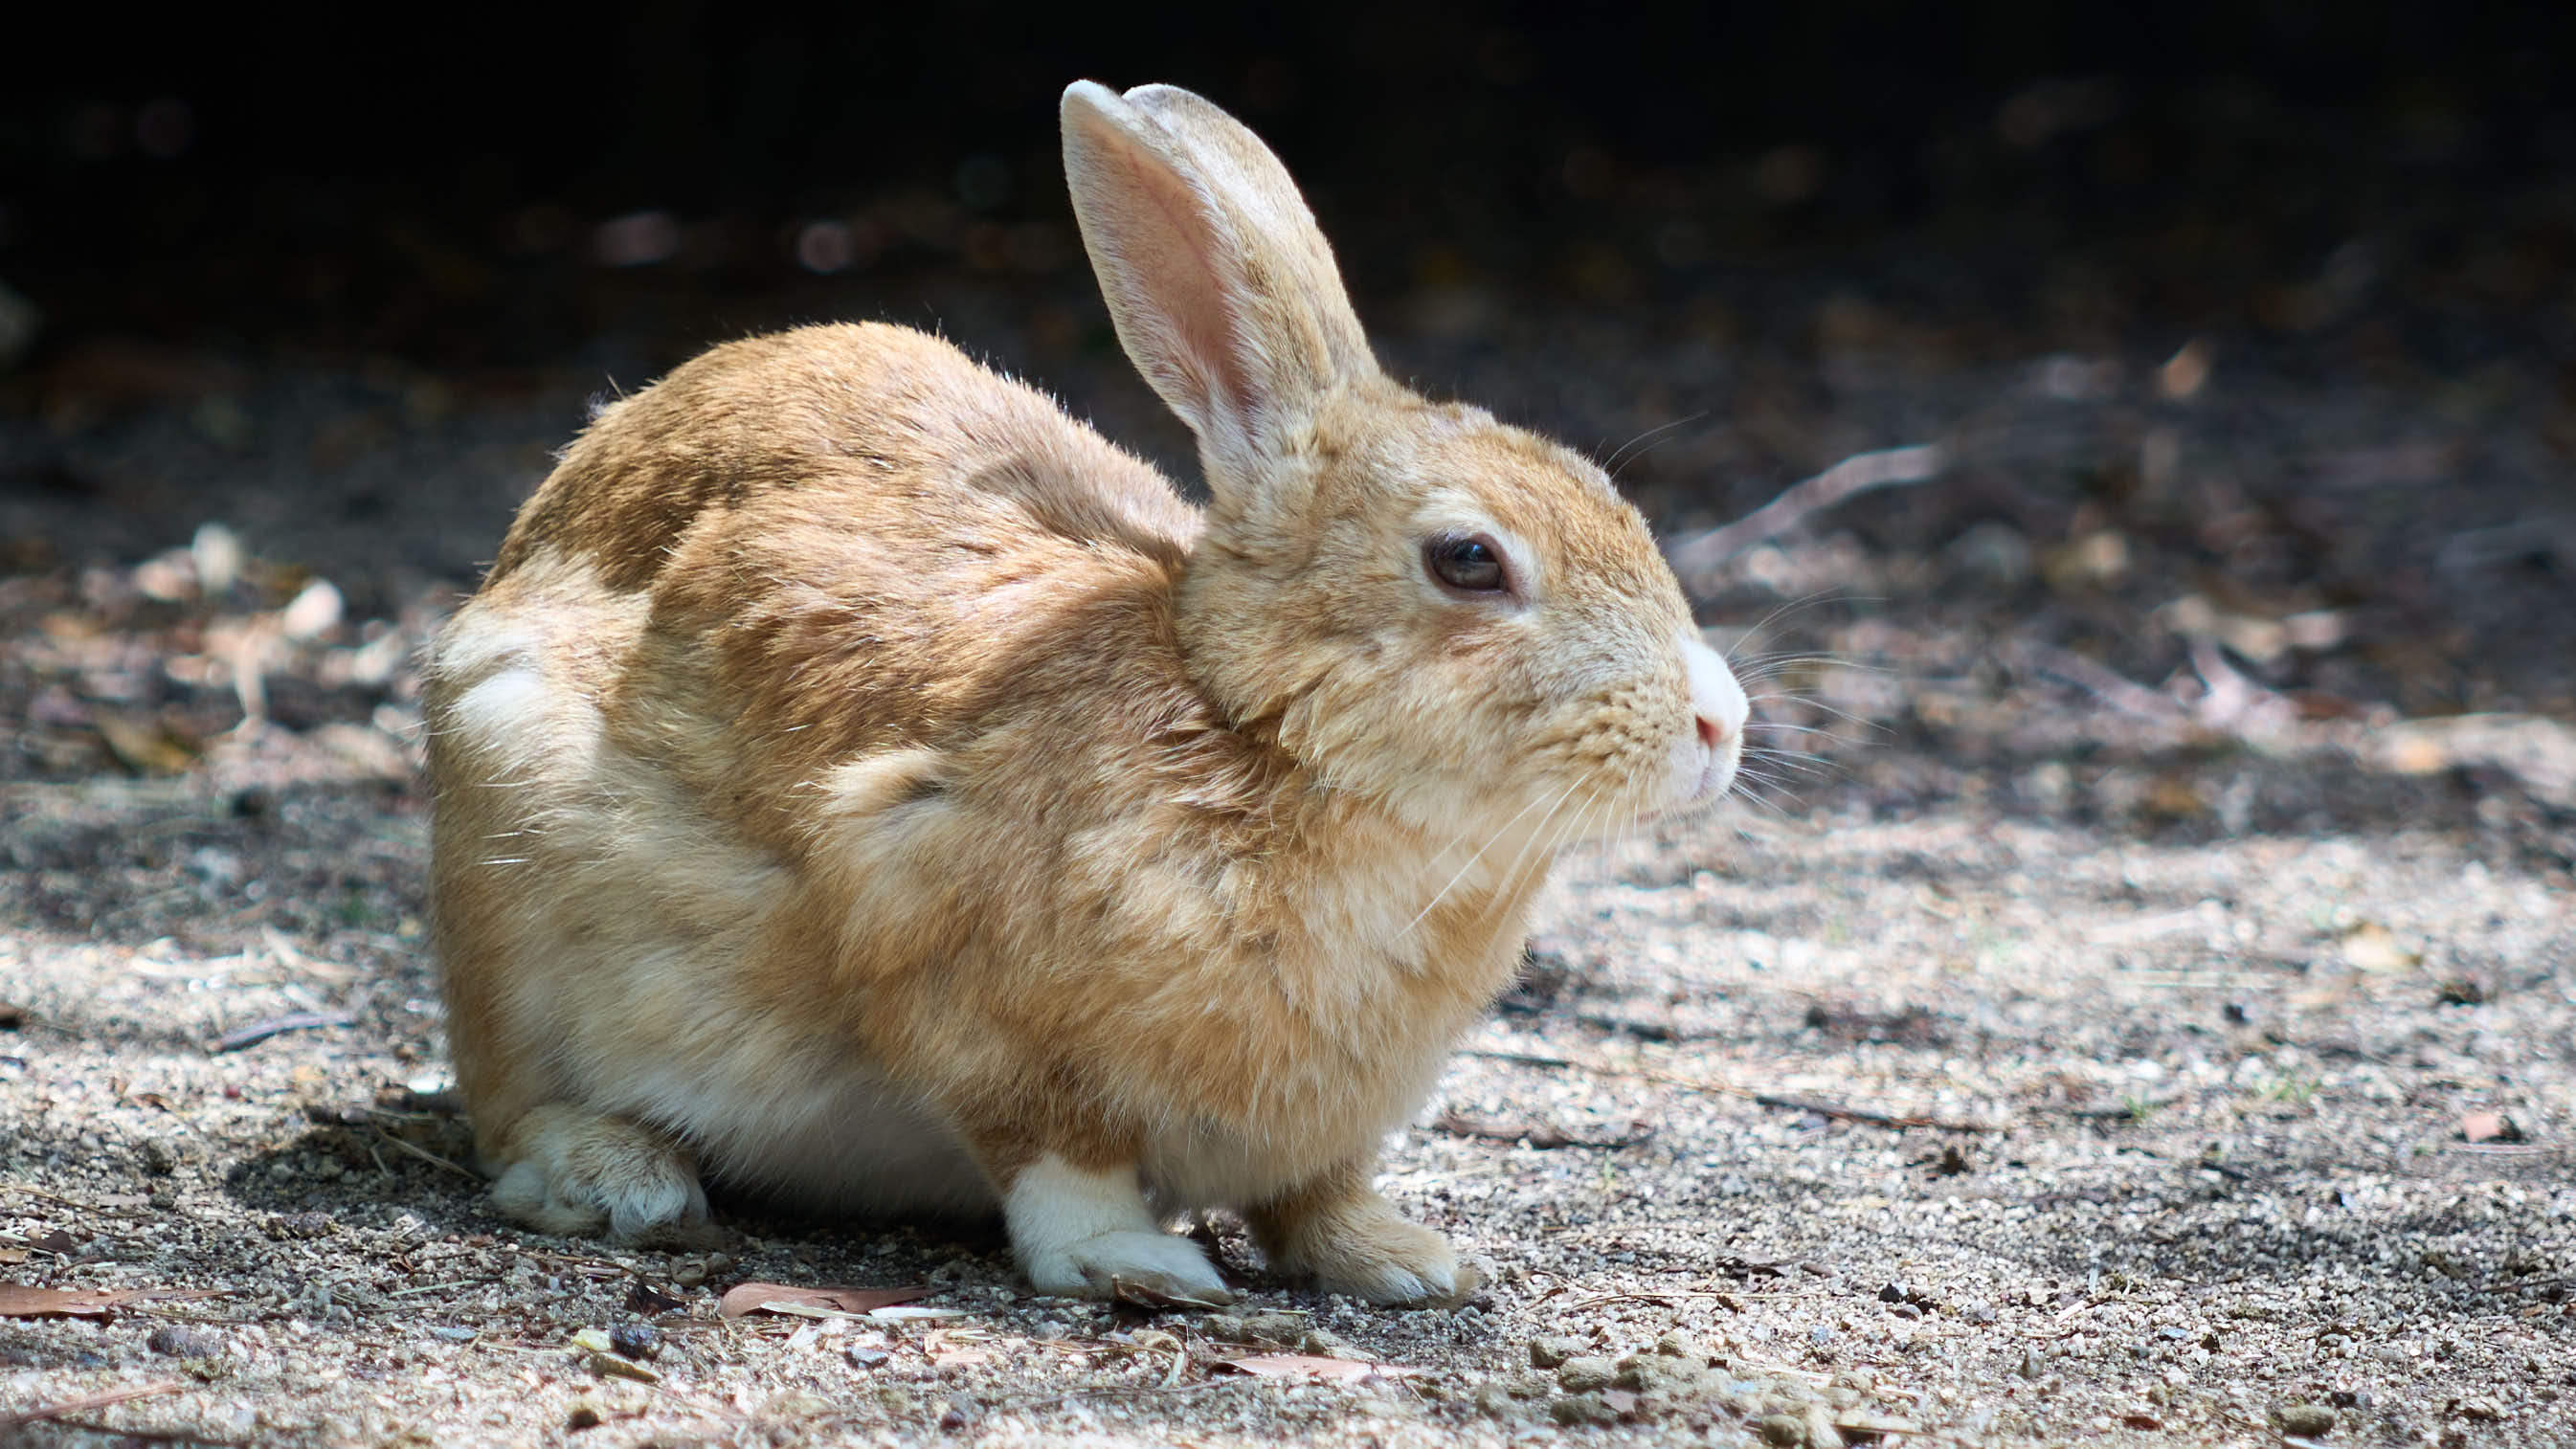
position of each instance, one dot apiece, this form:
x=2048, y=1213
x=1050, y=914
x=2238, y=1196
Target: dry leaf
x=1309, y=1366
x=610, y=1366
x=745, y=1298
x=2489, y=1127
x=144, y=746
x=19, y=1300
x=649, y=1301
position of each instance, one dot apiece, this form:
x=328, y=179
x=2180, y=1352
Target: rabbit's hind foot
x=577, y=1172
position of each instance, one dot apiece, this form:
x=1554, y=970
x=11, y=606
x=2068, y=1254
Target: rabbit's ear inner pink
x=1224, y=292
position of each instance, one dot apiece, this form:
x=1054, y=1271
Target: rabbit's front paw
x=1152, y=1260
x=1391, y=1260
x=1350, y=1240
x=573, y=1171
x=1083, y=1233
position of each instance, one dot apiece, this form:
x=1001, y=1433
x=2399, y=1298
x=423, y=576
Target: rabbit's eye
x=1469, y=564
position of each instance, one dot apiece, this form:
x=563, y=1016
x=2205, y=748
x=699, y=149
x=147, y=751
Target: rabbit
x=858, y=781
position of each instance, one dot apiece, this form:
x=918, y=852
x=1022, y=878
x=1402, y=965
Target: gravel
x=2093, y=1049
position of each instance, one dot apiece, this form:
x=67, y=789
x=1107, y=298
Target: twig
x=2119, y=693
x=1839, y=1112
x=92, y=1401
x=153, y=1436
x=260, y=1031
x=1766, y=1099
x=1536, y=1134
x=1116, y=1391
x=425, y=1155
x=1725, y=1300
x=1852, y=476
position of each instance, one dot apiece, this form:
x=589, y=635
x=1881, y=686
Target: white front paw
x=1082, y=1232
x=1152, y=1260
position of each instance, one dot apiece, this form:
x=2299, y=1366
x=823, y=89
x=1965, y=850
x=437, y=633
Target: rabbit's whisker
x=1654, y=433
x=1845, y=715
x=1791, y=607
x=1486, y=844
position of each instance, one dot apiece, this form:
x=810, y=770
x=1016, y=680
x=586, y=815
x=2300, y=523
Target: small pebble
x=862, y=1356
x=179, y=1340
x=1582, y=1375
x=2307, y=1421
x=1674, y=1345
x=1575, y=1410
x=1978, y=1313
x=583, y=1416
x=1895, y=1292
x=1785, y=1430
x=689, y=1275
x=1324, y=1343
x=959, y=1416
x=635, y=1340
x=1283, y=1328
x=1548, y=1353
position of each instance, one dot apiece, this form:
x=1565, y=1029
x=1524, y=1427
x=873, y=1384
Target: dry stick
x=92, y=1401
x=260, y=1031
x=154, y=1436
x=1863, y=1114
x=425, y=1155
x=1854, y=475
x=1764, y=1099
x=2110, y=687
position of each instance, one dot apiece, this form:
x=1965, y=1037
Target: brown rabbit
x=859, y=780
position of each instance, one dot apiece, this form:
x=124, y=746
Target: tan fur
x=859, y=779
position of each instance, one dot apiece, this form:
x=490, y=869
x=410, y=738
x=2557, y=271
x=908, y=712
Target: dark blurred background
x=449, y=189
x=2248, y=329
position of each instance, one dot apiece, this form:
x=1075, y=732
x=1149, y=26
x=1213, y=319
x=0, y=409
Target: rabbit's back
x=817, y=546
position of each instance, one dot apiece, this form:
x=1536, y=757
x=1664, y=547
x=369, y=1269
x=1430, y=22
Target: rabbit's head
x=1441, y=612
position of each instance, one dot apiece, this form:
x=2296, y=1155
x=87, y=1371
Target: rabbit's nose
x=1717, y=700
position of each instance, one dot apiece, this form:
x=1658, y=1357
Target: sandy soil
x=2139, y=1007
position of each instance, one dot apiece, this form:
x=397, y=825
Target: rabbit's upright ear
x=1224, y=292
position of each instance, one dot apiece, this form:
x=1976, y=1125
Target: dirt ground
x=2137, y=1003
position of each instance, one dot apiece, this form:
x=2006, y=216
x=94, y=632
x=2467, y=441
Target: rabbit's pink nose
x=1710, y=732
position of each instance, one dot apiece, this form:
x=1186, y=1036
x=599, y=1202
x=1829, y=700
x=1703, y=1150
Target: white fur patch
x=507, y=714
x=1715, y=694
x=1703, y=771
x=1076, y=1232
x=833, y=1136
